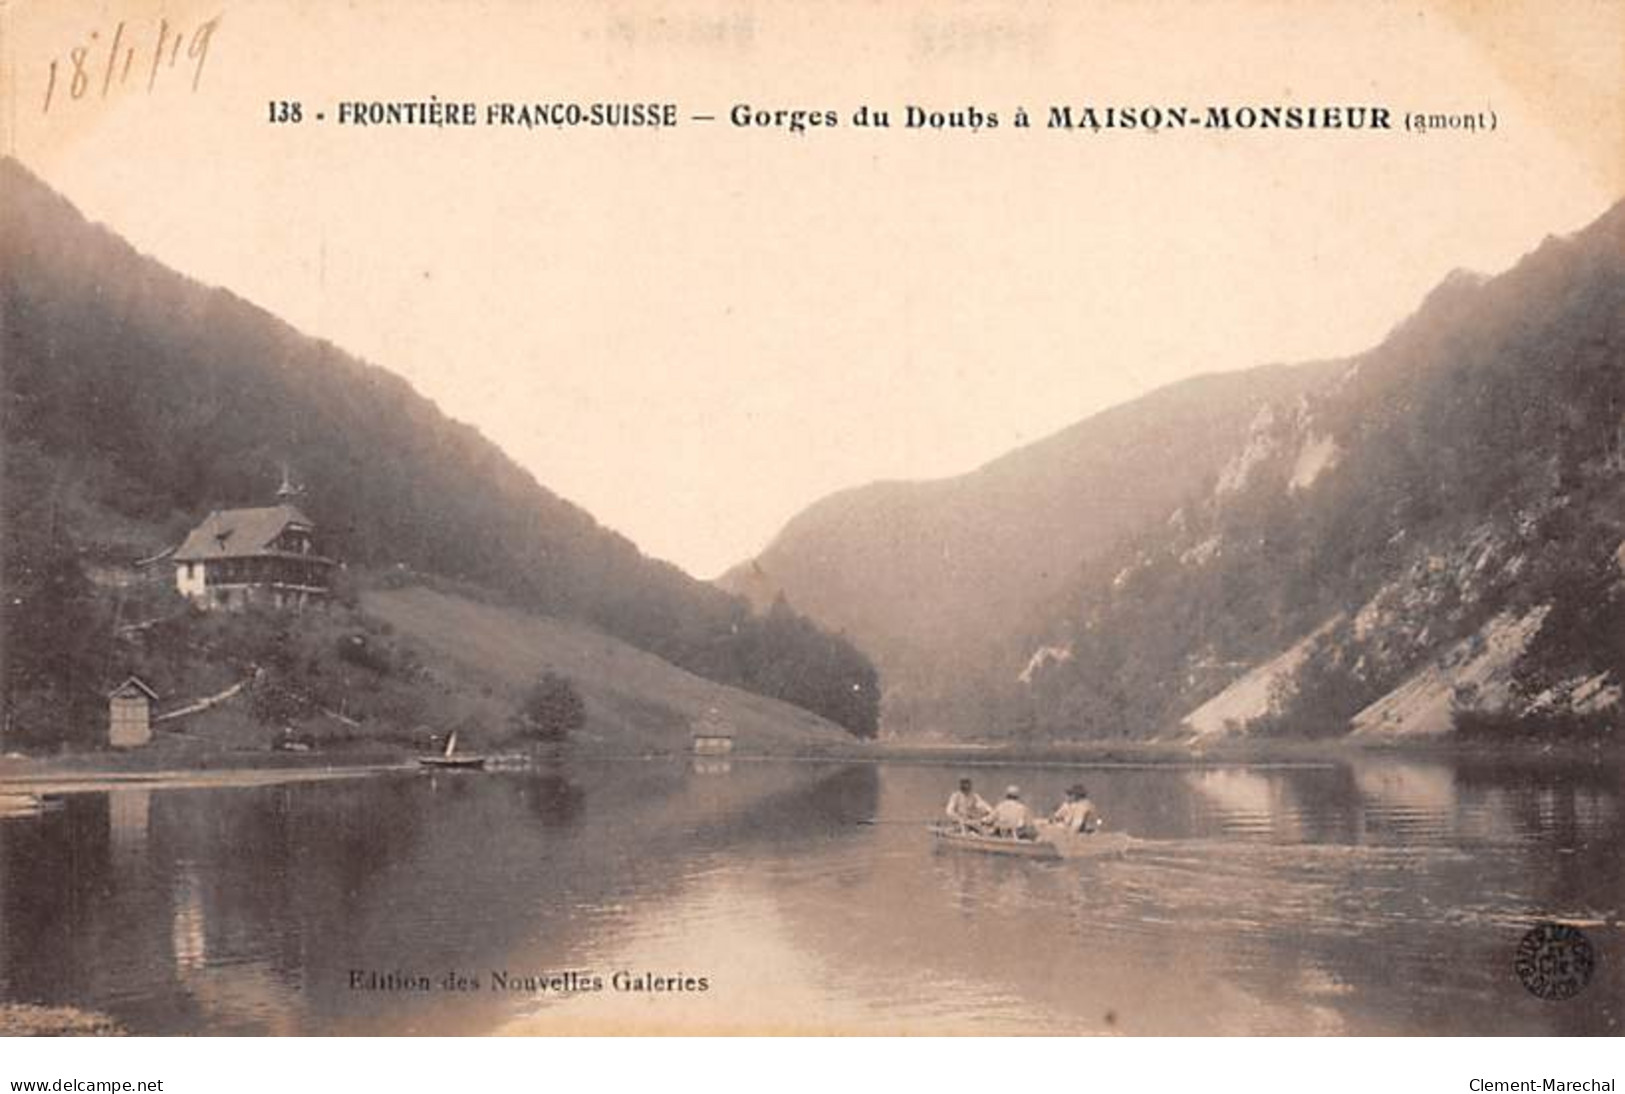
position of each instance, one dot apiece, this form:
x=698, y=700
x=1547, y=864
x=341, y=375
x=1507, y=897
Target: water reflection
x=129, y=810
x=1249, y=803
x=1376, y=895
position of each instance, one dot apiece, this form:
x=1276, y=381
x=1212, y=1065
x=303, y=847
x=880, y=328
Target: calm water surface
x=1368, y=896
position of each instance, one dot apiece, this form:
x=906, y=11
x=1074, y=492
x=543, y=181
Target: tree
x=55, y=638
x=552, y=709
x=277, y=697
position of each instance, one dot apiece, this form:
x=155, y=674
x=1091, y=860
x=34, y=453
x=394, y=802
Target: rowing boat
x=464, y=762
x=1051, y=844
x=949, y=835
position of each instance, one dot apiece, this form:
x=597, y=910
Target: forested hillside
x=136, y=400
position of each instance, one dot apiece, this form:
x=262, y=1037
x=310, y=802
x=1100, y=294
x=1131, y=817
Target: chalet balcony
x=307, y=573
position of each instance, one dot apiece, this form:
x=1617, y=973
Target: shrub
x=551, y=710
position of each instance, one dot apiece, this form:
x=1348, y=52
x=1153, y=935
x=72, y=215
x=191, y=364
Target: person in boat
x=1076, y=814
x=966, y=807
x=1011, y=817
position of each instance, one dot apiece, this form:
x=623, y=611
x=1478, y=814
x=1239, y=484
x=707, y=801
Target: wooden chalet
x=238, y=557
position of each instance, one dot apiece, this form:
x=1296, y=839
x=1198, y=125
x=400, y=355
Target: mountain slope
x=635, y=701
x=1277, y=547
x=1432, y=542
x=933, y=579
x=135, y=400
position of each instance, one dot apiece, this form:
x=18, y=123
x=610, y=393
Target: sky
x=695, y=333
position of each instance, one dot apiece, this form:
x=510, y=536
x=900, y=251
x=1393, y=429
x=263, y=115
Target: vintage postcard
x=812, y=518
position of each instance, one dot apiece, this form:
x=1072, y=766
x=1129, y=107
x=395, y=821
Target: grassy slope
x=635, y=702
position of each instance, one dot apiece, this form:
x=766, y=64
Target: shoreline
x=88, y=772
x=91, y=781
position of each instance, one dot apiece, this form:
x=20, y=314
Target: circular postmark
x=1555, y=961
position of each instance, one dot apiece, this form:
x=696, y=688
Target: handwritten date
x=89, y=69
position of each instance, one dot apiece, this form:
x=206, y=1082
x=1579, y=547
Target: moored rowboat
x=18, y=805
x=448, y=760
x=27, y=805
x=467, y=762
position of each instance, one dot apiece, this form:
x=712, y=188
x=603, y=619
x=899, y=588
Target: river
x=1363, y=895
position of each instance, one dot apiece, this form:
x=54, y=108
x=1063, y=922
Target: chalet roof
x=133, y=684
x=239, y=533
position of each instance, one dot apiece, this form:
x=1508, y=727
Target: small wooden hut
x=129, y=714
